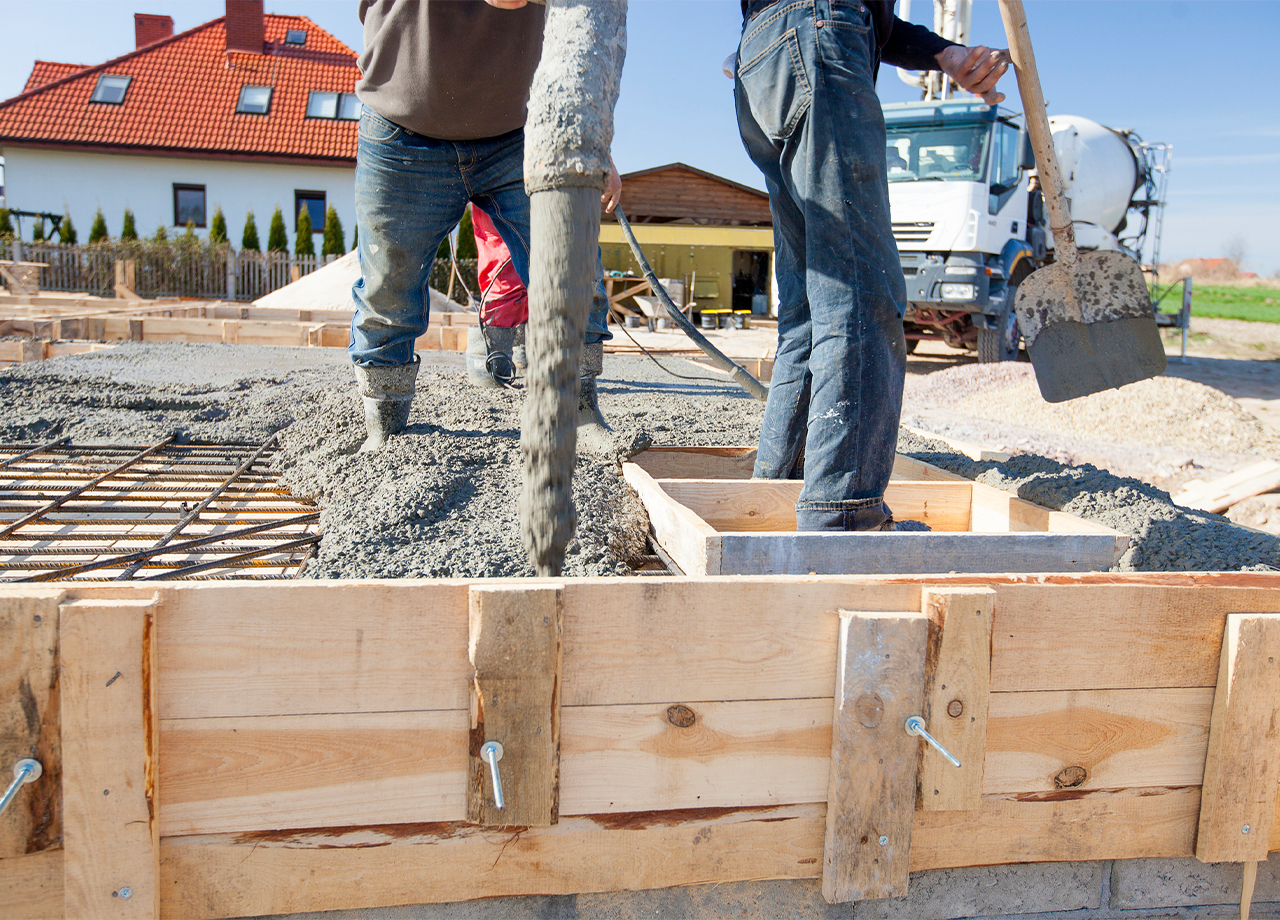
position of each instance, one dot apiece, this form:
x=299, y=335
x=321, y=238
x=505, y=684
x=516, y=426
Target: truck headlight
x=958, y=292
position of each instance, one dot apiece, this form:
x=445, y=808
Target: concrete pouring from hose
x=566, y=165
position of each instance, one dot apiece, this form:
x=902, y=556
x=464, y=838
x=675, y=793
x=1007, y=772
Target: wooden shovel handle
x=1024, y=62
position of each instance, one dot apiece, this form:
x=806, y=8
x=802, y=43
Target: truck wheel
x=1002, y=341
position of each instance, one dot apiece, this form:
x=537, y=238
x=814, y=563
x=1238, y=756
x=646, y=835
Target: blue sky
x=1200, y=74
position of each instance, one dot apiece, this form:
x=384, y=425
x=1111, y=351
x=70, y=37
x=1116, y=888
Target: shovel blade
x=1091, y=331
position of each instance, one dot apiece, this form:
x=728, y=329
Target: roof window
x=254, y=100
x=339, y=106
x=295, y=37
x=111, y=89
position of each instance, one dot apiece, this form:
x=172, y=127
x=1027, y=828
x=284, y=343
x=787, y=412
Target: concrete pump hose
x=566, y=165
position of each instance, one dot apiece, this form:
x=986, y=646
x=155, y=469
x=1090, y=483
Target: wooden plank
x=1067, y=740
x=998, y=511
x=283, y=872
x=957, y=695
x=1242, y=766
x=237, y=650
x=31, y=886
x=872, y=791
x=914, y=470
x=29, y=717
x=111, y=838
x=343, y=770
x=690, y=541
x=515, y=646
x=1221, y=494
x=697, y=462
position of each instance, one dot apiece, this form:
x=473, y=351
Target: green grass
x=1219, y=301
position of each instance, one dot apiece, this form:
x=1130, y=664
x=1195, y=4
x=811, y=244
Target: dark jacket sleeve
x=912, y=46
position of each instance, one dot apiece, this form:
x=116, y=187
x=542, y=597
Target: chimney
x=244, y=26
x=149, y=28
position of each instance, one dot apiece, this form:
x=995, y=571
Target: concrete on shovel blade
x=1074, y=359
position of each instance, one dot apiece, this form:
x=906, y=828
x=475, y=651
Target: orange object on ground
x=508, y=301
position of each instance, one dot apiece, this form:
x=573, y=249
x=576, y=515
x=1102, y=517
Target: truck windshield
x=916, y=152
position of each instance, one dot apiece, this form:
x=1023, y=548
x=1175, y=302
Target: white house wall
x=55, y=181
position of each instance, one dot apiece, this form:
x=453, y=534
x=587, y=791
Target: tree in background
x=355, y=237
x=333, y=237
x=249, y=239
x=130, y=229
x=37, y=232
x=162, y=235
x=1236, y=249
x=189, y=235
x=98, y=232
x=218, y=228
x=66, y=230
x=6, y=225
x=305, y=245
x=466, y=239
x=277, y=235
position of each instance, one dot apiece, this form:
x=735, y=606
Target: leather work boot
x=490, y=364
x=387, y=394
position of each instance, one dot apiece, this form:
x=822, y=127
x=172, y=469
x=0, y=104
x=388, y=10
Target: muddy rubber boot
x=387, y=394
x=489, y=364
x=595, y=437
x=519, y=357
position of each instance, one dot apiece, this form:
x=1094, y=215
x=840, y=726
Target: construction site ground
x=441, y=502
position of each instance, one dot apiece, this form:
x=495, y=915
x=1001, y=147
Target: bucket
x=708, y=320
x=633, y=322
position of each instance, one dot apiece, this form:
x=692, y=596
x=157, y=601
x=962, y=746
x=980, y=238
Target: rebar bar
x=231, y=562
x=34, y=450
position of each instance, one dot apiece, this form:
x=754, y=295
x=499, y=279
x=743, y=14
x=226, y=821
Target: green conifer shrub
x=304, y=245
x=277, y=235
x=249, y=239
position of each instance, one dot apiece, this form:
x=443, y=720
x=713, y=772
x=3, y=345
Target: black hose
x=736, y=371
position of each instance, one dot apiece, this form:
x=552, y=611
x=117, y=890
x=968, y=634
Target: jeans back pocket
x=776, y=86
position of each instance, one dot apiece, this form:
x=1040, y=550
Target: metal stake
x=24, y=771
x=491, y=753
x=915, y=726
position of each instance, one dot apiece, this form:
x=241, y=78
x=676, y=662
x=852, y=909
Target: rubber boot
x=519, y=357
x=595, y=437
x=387, y=394
x=489, y=364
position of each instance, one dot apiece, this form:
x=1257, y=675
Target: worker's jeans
x=410, y=192
x=810, y=119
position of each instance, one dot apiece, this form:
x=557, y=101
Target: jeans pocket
x=373, y=127
x=776, y=86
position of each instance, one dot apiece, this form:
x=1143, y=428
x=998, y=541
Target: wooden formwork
x=237, y=749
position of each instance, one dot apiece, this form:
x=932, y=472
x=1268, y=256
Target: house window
x=110, y=89
x=188, y=205
x=254, y=100
x=314, y=203
x=295, y=37
x=341, y=106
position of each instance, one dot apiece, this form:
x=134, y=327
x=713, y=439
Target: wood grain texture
x=957, y=694
x=221, y=775
x=871, y=794
x=248, y=875
x=515, y=647
x=1242, y=766
x=697, y=462
x=111, y=836
x=236, y=650
x=691, y=542
x=29, y=717
x=31, y=886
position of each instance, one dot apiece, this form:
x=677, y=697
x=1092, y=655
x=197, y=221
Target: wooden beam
x=1242, y=767
x=31, y=887
x=111, y=837
x=957, y=695
x=29, y=717
x=872, y=791
x=515, y=647
x=697, y=462
x=691, y=542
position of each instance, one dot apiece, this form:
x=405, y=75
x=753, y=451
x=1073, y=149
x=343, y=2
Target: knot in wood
x=681, y=716
x=869, y=708
x=1070, y=777
x=955, y=709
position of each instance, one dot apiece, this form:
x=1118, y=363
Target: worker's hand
x=507, y=4
x=977, y=70
x=612, y=196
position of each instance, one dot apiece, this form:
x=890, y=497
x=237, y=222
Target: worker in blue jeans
x=811, y=121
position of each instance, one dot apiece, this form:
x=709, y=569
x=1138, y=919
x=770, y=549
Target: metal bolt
x=491, y=753
x=24, y=771
x=884, y=841
x=1245, y=829
x=915, y=726
x=126, y=892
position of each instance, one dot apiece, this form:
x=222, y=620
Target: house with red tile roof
x=247, y=112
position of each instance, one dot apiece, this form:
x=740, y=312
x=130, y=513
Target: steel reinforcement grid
x=149, y=512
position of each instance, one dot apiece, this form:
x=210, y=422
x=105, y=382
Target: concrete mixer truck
x=970, y=223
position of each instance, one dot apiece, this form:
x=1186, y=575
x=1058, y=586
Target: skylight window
x=110, y=89
x=254, y=100
x=340, y=106
x=295, y=37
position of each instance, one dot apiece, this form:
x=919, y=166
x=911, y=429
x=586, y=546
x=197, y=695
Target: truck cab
x=968, y=225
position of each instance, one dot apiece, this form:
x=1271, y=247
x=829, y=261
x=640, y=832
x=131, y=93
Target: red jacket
x=508, y=301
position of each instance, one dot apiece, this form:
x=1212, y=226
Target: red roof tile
x=47, y=71
x=183, y=95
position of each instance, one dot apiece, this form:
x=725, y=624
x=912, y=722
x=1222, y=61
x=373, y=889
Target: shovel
x=1087, y=318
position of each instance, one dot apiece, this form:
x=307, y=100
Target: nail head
x=126, y=892
x=884, y=841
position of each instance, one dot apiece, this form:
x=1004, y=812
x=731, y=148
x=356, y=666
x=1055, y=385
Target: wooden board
x=111, y=837
x=31, y=887
x=691, y=542
x=515, y=643
x=1242, y=766
x=29, y=717
x=871, y=795
x=697, y=462
x=957, y=695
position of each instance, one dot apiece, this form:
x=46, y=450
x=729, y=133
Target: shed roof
x=679, y=193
